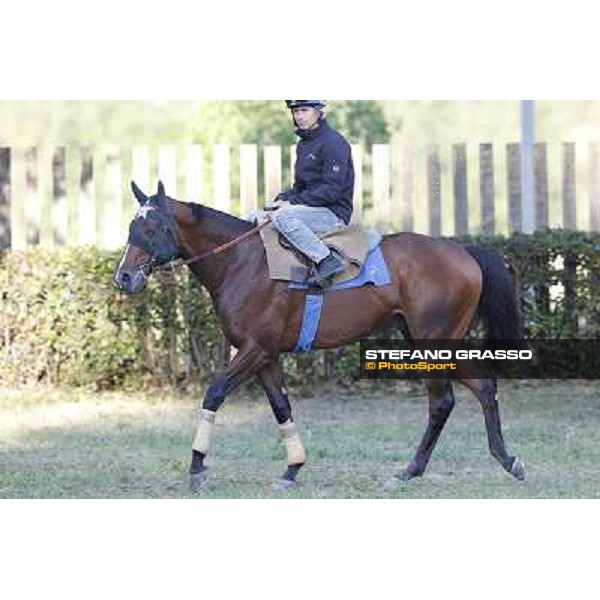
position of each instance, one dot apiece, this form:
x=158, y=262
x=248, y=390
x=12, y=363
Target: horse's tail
x=498, y=302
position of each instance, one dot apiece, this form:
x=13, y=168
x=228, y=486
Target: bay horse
x=436, y=288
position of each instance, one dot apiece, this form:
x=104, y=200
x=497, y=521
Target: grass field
x=57, y=444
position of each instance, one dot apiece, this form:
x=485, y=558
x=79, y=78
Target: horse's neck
x=201, y=230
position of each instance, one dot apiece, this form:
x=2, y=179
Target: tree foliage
x=424, y=122
x=268, y=122
x=95, y=122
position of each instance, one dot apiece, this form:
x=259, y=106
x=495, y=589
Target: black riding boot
x=326, y=270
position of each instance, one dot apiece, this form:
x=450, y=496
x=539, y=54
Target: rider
x=321, y=198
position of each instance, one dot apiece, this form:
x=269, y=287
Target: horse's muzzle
x=130, y=281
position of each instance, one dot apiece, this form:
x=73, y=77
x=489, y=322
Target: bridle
x=173, y=264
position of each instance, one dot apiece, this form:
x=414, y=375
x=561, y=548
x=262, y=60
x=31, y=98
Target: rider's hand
x=282, y=197
x=275, y=206
x=279, y=201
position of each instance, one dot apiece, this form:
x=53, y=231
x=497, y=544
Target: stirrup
x=333, y=266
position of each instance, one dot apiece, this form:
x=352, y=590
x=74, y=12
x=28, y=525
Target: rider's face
x=306, y=117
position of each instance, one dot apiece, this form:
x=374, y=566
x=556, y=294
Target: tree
x=268, y=122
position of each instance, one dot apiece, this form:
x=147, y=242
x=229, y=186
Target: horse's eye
x=150, y=229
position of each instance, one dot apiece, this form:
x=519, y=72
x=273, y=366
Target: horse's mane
x=231, y=223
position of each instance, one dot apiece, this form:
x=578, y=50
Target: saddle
x=350, y=243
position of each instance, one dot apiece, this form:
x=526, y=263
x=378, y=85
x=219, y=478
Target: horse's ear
x=140, y=196
x=161, y=189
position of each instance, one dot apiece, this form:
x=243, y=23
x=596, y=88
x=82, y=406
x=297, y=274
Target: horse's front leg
x=271, y=377
x=246, y=363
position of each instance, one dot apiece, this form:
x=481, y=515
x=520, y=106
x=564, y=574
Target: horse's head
x=152, y=241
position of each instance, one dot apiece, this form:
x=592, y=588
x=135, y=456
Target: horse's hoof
x=405, y=475
x=284, y=485
x=401, y=477
x=398, y=479
x=392, y=483
x=518, y=469
x=199, y=480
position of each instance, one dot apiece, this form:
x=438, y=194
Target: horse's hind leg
x=271, y=378
x=441, y=403
x=486, y=392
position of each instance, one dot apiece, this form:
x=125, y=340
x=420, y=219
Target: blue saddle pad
x=374, y=271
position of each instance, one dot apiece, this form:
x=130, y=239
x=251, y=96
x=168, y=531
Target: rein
x=171, y=265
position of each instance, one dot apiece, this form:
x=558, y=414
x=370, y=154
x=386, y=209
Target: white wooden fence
x=56, y=196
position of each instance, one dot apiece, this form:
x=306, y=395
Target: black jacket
x=324, y=172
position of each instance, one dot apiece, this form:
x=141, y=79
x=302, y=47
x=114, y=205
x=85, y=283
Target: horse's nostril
x=122, y=280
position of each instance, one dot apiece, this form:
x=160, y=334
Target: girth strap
x=313, y=306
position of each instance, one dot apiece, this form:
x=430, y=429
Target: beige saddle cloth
x=352, y=241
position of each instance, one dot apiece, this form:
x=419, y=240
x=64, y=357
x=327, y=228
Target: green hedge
x=559, y=280
x=63, y=323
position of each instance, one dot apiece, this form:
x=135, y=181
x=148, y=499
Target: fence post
x=513, y=168
x=540, y=165
x=357, y=199
x=248, y=179
x=434, y=191
x=112, y=214
x=461, y=196
x=407, y=171
x=18, y=202
x=167, y=171
x=293, y=150
x=221, y=182
x=5, y=231
x=140, y=168
x=33, y=204
x=194, y=174
x=594, y=186
x=272, y=155
x=60, y=214
x=527, y=168
x=381, y=185
x=487, y=188
x=86, y=206
x=568, y=186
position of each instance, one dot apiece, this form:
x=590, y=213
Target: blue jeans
x=299, y=224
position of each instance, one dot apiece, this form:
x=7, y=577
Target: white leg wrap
x=206, y=423
x=293, y=444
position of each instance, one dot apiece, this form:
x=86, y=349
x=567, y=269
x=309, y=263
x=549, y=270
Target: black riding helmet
x=291, y=104
x=318, y=104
